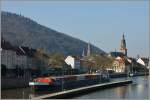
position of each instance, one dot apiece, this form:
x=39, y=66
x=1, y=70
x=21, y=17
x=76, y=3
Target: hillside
x=22, y=31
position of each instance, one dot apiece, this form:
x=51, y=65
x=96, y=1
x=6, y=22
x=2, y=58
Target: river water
x=139, y=89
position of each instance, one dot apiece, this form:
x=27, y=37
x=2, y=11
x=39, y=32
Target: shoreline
x=83, y=90
x=24, y=83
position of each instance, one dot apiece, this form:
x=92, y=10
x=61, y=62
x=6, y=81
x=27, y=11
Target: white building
x=73, y=62
x=119, y=65
x=122, y=64
x=140, y=61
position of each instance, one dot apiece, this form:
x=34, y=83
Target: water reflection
x=137, y=90
x=121, y=92
x=22, y=93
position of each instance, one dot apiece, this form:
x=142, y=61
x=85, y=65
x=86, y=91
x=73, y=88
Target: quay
x=82, y=90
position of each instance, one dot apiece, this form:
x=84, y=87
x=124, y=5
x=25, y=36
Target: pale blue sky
x=101, y=23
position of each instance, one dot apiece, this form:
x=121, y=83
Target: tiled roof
x=21, y=50
x=116, y=54
x=6, y=45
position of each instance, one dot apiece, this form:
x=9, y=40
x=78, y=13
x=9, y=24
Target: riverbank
x=119, y=75
x=12, y=83
x=82, y=90
x=138, y=89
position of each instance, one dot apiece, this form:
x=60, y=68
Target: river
x=139, y=89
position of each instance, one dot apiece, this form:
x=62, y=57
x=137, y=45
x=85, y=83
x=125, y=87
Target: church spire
x=123, y=48
x=83, y=53
x=123, y=36
x=89, y=49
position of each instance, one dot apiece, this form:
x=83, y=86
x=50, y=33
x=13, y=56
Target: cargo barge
x=67, y=81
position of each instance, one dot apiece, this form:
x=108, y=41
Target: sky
x=101, y=23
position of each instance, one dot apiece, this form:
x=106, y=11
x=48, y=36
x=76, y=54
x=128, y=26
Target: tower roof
x=123, y=36
x=123, y=48
x=123, y=43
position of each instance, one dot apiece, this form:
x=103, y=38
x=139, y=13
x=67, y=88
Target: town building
x=146, y=61
x=123, y=49
x=13, y=56
x=121, y=61
x=8, y=58
x=74, y=62
x=121, y=64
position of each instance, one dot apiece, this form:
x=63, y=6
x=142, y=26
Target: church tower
x=89, y=50
x=123, y=48
x=83, y=53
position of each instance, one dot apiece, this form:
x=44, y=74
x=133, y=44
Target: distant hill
x=22, y=31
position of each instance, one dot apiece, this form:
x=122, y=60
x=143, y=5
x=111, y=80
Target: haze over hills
x=22, y=31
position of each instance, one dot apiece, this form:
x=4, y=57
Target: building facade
x=8, y=58
x=120, y=63
x=12, y=56
x=73, y=62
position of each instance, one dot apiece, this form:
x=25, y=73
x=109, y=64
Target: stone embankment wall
x=8, y=83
